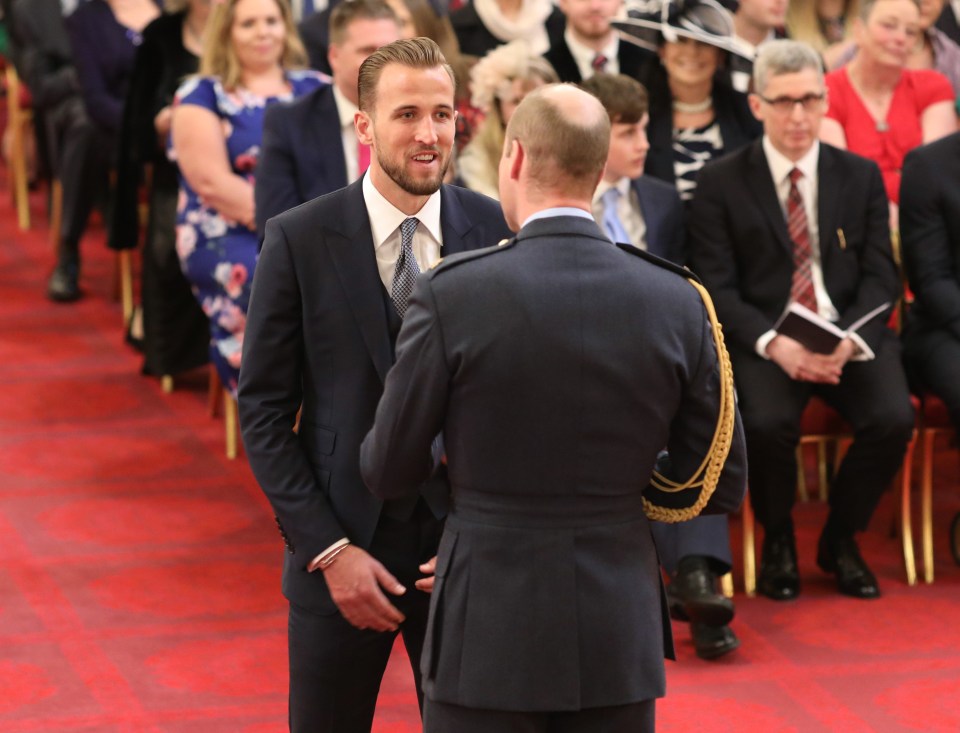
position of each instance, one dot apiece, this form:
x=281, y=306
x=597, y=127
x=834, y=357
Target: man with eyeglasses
x=790, y=220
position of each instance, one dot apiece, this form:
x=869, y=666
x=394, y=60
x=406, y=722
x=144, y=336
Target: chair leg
x=822, y=475
x=726, y=584
x=749, y=549
x=906, y=527
x=18, y=120
x=166, y=383
x=926, y=504
x=801, y=475
x=230, y=423
x=125, y=268
x=214, y=388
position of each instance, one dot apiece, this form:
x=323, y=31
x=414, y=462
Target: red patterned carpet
x=139, y=568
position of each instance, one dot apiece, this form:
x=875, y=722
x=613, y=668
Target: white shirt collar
x=557, y=211
x=346, y=109
x=622, y=185
x=385, y=218
x=584, y=55
x=781, y=165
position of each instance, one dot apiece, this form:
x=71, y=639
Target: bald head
x=565, y=135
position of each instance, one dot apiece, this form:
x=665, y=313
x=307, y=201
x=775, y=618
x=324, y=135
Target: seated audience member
x=825, y=25
x=482, y=25
x=310, y=146
x=46, y=65
x=930, y=240
x=755, y=22
x=935, y=50
x=175, y=331
x=250, y=52
x=695, y=115
x=499, y=82
x=630, y=207
x=880, y=109
x=648, y=213
x=590, y=45
x=805, y=223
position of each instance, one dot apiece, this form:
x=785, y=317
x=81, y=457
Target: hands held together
x=806, y=366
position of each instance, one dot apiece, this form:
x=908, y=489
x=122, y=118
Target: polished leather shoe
x=711, y=642
x=63, y=286
x=779, y=576
x=693, y=596
x=841, y=556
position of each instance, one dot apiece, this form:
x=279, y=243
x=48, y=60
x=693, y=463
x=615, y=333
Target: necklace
x=692, y=108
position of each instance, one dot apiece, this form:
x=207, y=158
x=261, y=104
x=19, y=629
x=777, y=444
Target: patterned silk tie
x=611, y=220
x=801, y=290
x=405, y=274
x=599, y=63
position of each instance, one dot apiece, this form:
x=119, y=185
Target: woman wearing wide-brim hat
x=695, y=114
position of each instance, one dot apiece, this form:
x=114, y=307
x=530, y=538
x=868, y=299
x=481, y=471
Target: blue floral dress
x=218, y=255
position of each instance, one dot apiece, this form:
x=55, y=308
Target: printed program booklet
x=814, y=331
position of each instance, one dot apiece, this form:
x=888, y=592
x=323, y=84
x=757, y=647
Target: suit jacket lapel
x=459, y=233
x=651, y=219
x=352, y=252
x=761, y=183
x=828, y=199
x=327, y=141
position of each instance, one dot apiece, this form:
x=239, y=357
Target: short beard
x=414, y=186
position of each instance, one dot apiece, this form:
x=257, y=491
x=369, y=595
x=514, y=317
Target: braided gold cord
x=708, y=474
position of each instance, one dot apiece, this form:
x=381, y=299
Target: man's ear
x=364, y=124
x=756, y=105
x=517, y=157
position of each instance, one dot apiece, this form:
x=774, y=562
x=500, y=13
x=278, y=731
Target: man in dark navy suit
x=309, y=146
x=328, y=299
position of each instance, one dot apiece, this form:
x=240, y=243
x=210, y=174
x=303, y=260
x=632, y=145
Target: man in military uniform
x=555, y=400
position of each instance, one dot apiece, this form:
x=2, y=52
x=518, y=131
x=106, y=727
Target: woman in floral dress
x=250, y=53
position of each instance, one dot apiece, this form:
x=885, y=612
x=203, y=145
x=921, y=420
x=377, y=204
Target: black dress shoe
x=63, y=286
x=693, y=595
x=711, y=642
x=841, y=557
x=779, y=576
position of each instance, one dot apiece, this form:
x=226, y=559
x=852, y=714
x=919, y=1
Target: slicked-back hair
x=219, y=58
x=414, y=53
x=346, y=12
x=624, y=98
x=561, y=153
x=783, y=56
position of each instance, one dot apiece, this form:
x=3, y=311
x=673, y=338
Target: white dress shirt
x=584, y=55
x=780, y=167
x=385, y=221
x=346, y=110
x=628, y=210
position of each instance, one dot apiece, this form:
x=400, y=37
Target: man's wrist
x=325, y=559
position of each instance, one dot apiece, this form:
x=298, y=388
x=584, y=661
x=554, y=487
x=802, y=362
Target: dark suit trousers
x=637, y=717
x=932, y=357
x=336, y=669
x=872, y=396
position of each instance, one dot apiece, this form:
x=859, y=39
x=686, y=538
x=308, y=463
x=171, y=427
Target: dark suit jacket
x=44, y=59
x=662, y=212
x=317, y=334
x=947, y=22
x=554, y=408
x=315, y=34
x=630, y=56
x=738, y=126
x=301, y=155
x=740, y=247
x=930, y=236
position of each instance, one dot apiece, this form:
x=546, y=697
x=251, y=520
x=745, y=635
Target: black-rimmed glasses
x=784, y=105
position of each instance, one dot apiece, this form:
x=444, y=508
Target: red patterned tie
x=801, y=291
x=599, y=63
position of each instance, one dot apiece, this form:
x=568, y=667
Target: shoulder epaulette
x=446, y=263
x=666, y=264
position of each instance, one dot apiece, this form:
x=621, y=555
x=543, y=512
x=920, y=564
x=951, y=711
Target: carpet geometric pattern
x=139, y=568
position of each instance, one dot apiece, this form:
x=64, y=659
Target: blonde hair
x=219, y=58
x=803, y=22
